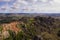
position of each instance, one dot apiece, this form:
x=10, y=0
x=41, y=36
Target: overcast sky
x=29, y=6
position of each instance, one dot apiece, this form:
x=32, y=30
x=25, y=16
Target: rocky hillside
x=30, y=28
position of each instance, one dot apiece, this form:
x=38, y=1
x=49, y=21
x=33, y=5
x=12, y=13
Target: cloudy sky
x=29, y=6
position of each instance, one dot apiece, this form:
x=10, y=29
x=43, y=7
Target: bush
x=58, y=34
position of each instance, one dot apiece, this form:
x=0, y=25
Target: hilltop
x=38, y=27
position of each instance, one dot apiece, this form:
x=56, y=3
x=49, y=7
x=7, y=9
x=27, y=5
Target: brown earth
x=11, y=26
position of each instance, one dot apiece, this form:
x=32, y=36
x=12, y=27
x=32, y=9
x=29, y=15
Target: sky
x=29, y=6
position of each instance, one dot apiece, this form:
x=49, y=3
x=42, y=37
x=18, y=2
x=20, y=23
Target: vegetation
x=35, y=28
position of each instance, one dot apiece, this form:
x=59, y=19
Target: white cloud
x=35, y=7
x=57, y=1
x=6, y=0
x=44, y=0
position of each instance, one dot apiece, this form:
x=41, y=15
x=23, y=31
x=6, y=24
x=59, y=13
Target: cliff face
x=11, y=26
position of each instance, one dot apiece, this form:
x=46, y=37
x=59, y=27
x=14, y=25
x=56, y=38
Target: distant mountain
x=56, y=15
x=30, y=14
